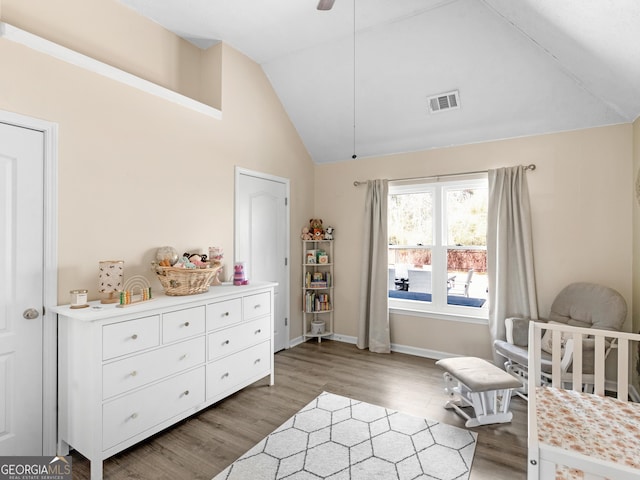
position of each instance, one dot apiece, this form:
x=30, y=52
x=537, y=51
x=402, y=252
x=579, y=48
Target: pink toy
x=238, y=274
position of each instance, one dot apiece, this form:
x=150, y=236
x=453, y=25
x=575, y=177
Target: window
x=438, y=247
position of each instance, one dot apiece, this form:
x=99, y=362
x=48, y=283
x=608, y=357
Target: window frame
x=438, y=307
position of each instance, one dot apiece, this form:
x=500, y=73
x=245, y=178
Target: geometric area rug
x=338, y=438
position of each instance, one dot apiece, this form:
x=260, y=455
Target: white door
x=21, y=290
x=262, y=239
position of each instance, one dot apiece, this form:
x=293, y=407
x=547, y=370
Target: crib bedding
x=602, y=427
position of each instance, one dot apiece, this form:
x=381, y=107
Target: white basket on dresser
x=127, y=373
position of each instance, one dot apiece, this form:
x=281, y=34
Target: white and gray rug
x=337, y=438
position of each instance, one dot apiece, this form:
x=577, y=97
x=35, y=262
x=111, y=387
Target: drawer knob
x=258, y=331
x=183, y=356
x=186, y=324
x=257, y=361
x=256, y=306
x=226, y=342
x=133, y=416
x=186, y=392
x=134, y=336
x=225, y=375
x=134, y=373
x=225, y=314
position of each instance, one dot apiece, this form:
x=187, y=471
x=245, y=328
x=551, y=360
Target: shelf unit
x=317, y=288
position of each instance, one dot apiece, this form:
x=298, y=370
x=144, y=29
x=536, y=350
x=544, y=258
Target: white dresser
x=127, y=373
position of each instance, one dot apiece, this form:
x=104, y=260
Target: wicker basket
x=185, y=281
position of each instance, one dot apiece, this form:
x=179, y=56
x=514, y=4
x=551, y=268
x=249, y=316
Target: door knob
x=30, y=313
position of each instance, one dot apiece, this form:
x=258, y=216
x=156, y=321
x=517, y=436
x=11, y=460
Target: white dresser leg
x=96, y=469
x=62, y=448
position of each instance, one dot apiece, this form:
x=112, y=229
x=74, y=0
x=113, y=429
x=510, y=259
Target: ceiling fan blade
x=325, y=4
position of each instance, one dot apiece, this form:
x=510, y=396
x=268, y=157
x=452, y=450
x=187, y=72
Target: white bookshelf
x=317, y=288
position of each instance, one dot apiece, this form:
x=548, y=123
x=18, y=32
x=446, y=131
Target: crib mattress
x=600, y=427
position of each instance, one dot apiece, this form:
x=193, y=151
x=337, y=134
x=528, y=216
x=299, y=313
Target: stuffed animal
x=306, y=234
x=315, y=225
x=328, y=233
x=198, y=259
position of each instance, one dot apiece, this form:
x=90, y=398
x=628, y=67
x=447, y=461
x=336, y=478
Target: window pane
x=467, y=216
x=466, y=277
x=410, y=274
x=437, y=241
x=410, y=219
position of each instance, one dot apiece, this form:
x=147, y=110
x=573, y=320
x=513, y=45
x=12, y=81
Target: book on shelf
x=317, y=279
x=311, y=256
x=316, y=302
x=316, y=256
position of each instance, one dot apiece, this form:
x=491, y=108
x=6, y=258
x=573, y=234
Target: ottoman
x=474, y=382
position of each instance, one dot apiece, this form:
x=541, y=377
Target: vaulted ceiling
x=521, y=67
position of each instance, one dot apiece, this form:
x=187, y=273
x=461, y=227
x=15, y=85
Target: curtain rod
x=531, y=166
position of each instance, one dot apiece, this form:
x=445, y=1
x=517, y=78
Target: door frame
x=285, y=288
x=50, y=272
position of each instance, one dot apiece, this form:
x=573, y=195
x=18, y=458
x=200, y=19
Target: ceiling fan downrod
x=325, y=4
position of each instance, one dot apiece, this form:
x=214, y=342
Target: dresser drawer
x=130, y=336
x=222, y=314
x=132, y=372
x=254, y=306
x=182, y=324
x=231, y=371
x=132, y=414
x=233, y=339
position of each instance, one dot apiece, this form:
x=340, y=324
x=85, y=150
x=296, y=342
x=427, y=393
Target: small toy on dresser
x=199, y=260
x=238, y=274
x=216, y=258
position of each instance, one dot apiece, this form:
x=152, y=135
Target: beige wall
x=581, y=198
x=135, y=171
x=108, y=31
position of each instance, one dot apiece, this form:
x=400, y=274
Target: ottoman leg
x=489, y=407
x=457, y=397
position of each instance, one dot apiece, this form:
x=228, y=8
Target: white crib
x=577, y=435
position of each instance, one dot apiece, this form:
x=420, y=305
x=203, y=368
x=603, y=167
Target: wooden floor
x=203, y=445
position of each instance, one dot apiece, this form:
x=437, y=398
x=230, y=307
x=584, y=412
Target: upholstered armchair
x=581, y=304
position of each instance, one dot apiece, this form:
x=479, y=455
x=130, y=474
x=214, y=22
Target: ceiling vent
x=444, y=101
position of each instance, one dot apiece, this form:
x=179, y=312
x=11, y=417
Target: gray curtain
x=373, y=322
x=512, y=289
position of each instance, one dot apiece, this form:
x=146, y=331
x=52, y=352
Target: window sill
x=453, y=317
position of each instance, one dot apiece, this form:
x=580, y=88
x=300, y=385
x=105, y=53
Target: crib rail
x=567, y=351
x=573, y=339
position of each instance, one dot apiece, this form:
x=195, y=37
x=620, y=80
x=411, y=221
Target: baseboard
x=421, y=352
x=416, y=351
x=294, y=342
x=344, y=338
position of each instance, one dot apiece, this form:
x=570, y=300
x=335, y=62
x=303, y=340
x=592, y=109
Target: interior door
x=261, y=239
x=21, y=290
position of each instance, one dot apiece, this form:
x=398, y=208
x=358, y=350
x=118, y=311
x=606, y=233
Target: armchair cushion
x=517, y=330
x=547, y=340
x=589, y=305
